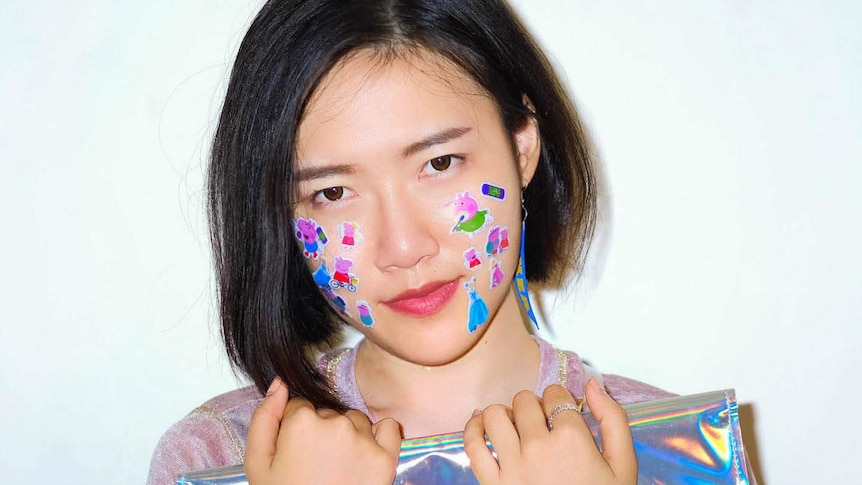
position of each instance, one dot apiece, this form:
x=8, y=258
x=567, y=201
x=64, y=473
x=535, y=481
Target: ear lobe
x=529, y=145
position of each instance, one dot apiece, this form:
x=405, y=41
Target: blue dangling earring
x=521, y=274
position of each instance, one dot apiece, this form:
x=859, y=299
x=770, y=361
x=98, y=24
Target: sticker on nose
x=311, y=235
x=470, y=219
x=477, y=310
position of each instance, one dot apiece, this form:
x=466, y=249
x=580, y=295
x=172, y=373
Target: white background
x=730, y=132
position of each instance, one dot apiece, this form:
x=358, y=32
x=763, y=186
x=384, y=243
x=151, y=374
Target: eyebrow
x=435, y=139
x=311, y=173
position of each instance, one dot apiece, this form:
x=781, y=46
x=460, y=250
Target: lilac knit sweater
x=214, y=434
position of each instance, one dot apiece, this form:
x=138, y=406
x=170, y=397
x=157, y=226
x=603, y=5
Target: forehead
x=371, y=99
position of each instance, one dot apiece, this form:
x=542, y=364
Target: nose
x=405, y=235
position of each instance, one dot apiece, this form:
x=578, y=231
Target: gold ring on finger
x=559, y=408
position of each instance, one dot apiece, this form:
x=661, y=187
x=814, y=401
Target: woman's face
x=408, y=204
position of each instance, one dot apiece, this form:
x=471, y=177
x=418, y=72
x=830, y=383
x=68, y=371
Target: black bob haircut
x=273, y=317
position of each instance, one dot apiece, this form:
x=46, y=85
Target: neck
x=440, y=399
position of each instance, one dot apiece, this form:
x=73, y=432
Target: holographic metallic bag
x=681, y=440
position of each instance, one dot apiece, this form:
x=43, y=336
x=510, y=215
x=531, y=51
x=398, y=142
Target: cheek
x=333, y=255
x=482, y=222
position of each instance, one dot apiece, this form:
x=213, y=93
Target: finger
x=482, y=462
x=360, y=421
x=529, y=416
x=327, y=413
x=300, y=416
x=387, y=432
x=617, y=446
x=499, y=423
x=556, y=395
x=263, y=429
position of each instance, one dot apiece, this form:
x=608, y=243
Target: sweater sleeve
x=200, y=440
x=626, y=391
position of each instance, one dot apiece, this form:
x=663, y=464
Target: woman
x=430, y=128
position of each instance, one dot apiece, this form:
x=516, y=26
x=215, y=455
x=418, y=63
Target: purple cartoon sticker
x=311, y=235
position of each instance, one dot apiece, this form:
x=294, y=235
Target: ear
x=528, y=143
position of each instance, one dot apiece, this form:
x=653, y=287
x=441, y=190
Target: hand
x=289, y=441
x=528, y=452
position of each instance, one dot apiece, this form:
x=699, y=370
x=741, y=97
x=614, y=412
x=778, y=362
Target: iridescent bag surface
x=681, y=440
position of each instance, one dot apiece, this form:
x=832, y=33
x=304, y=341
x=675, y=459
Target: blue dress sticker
x=477, y=310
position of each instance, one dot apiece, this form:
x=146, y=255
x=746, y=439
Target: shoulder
x=626, y=391
x=212, y=435
x=574, y=374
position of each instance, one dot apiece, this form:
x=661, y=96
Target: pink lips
x=425, y=300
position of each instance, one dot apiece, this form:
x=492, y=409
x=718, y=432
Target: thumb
x=263, y=429
x=387, y=433
x=617, y=447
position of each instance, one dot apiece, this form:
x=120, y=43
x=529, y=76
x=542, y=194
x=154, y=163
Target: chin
x=438, y=349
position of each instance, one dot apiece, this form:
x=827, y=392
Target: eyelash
x=319, y=197
x=453, y=160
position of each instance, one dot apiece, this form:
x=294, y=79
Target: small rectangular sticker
x=493, y=191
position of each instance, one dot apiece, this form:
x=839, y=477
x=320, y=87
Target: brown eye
x=441, y=163
x=333, y=193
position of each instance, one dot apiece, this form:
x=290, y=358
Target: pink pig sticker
x=471, y=259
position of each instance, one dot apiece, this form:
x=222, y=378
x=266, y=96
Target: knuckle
x=556, y=391
x=617, y=413
x=259, y=413
x=388, y=425
x=496, y=411
x=342, y=423
x=523, y=397
x=302, y=416
x=354, y=414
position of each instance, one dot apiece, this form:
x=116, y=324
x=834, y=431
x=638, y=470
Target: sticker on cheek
x=470, y=219
x=312, y=237
x=336, y=301
x=342, y=277
x=497, y=274
x=498, y=240
x=349, y=235
x=364, y=311
x=471, y=259
x=323, y=279
x=493, y=192
x=477, y=310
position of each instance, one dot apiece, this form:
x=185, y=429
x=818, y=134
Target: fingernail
x=476, y=412
x=272, y=387
x=598, y=386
